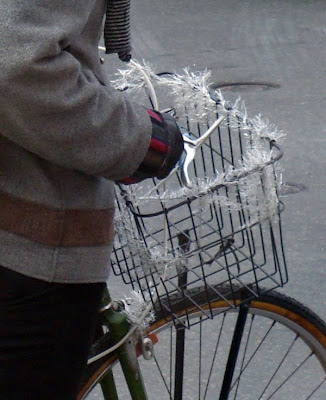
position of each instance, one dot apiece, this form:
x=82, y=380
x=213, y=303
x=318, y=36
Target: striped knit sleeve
x=117, y=28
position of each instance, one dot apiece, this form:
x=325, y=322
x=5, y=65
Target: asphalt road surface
x=274, y=43
x=276, y=50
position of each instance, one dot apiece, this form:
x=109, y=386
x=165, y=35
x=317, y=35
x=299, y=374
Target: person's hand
x=166, y=147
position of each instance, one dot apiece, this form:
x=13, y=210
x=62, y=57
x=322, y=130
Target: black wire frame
x=230, y=242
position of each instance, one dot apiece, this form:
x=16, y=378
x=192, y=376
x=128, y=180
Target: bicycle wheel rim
x=303, y=355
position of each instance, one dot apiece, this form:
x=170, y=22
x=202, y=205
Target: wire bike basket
x=221, y=233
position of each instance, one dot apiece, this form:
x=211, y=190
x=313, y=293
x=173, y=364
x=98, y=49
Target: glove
x=165, y=149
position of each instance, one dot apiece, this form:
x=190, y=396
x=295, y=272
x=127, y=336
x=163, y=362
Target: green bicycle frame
x=119, y=327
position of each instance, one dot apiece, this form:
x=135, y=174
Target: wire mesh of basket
x=220, y=235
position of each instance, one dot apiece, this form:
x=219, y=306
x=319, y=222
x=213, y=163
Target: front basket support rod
x=180, y=347
x=234, y=351
x=184, y=242
x=179, y=363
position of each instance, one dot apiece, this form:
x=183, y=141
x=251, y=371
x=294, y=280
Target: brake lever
x=190, y=147
x=190, y=150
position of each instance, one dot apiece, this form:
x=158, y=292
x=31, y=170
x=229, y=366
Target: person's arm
x=53, y=107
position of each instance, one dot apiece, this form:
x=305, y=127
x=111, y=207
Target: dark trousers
x=45, y=335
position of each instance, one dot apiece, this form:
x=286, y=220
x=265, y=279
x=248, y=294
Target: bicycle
x=204, y=249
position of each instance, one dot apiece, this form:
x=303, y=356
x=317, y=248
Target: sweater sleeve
x=55, y=106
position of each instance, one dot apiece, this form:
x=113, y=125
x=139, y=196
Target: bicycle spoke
x=290, y=376
x=214, y=356
x=279, y=366
x=244, y=356
x=163, y=378
x=261, y=342
x=247, y=358
x=276, y=359
x=316, y=389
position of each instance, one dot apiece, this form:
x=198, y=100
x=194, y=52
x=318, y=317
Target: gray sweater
x=65, y=136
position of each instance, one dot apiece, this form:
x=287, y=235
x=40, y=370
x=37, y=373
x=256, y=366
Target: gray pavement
x=278, y=42
x=253, y=41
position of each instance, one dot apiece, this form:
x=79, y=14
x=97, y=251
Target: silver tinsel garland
x=252, y=177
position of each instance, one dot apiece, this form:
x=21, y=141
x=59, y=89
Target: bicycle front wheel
x=273, y=349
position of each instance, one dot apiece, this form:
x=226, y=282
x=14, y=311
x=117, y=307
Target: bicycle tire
x=300, y=354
